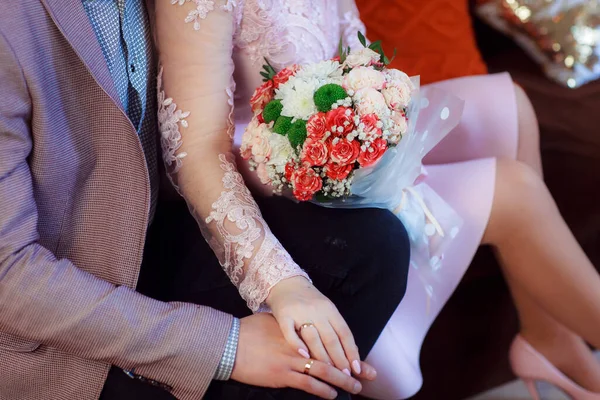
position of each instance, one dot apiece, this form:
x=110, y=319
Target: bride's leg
x=545, y=267
x=562, y=346
x=528, y=148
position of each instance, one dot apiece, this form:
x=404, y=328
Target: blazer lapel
x=73, y=22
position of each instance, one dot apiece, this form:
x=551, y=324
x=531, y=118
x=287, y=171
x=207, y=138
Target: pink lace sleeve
x=350, y=23
x=197, y=70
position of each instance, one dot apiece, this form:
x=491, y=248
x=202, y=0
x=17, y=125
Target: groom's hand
x=264, y=358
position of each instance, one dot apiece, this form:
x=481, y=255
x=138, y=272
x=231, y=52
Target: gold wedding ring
x=305, y=325
x=307, y=367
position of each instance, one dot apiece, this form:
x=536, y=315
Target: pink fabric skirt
x=462, y=170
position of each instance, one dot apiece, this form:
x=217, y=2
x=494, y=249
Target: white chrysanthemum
x=324, y=71
x=281, y=152
x=296, y=96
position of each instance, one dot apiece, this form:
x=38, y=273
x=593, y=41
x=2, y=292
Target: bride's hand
x=308, y=318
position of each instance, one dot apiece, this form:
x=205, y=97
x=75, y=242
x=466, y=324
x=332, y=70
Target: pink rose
x=316, y=127
x=261, y=149
x=344, y=152
x=399, y=126
x=364, y=57
x=372, y=154
x=284, y=75
x=397, y=95
x=262, y=95
x=370, y=122
x=394, y=77
x=306, y=183
x=314, y=153
x=341, y=117
x=263, y=174
x=370, y=101
x=247, y=139
x=363, y=78
x=338, y=172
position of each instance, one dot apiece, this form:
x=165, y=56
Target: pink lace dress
x=230, y=39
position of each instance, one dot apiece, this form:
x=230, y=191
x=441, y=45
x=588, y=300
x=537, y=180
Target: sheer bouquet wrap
x=351, y=133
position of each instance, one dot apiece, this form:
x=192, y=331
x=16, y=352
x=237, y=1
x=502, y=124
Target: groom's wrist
x=225, y=367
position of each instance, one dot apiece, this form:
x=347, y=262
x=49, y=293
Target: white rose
x=362, y=57
x=363, y=77
x=397, y=95
x=370, y=101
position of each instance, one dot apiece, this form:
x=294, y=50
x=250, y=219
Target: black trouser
x=357, y=258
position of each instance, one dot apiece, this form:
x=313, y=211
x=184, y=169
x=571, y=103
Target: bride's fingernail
x=347, y=372
x=356, y=366
x=303, y=353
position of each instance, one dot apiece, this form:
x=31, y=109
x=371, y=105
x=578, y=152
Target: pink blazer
x=74, y=200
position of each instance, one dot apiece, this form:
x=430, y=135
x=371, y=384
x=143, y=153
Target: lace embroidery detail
x=288, y=31
x=241, y=229
x=349, y=26
x=203, y=7
x=261, y=33
x=169, y=119
x=230, y=100
x=229, y=6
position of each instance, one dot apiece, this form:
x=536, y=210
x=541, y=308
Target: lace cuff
x=249, y=253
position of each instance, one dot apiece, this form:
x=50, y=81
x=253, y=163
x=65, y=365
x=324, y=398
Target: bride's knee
x=528, y=124
x=517, y=187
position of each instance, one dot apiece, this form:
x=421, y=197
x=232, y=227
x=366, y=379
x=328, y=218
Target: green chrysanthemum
x=328, y=95
x=297, y=133
x=272, y=111
x=282, y=125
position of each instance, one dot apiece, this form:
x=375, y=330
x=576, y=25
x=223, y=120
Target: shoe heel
x=532, y=388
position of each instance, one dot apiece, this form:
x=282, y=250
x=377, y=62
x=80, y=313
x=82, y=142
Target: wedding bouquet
x=348, y=133
x=315, y=125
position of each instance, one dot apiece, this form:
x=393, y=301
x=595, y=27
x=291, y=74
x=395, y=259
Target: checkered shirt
x=123, y=31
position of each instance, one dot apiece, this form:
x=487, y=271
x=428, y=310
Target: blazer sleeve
x=51, y=301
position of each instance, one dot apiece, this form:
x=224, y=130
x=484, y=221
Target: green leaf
x=362, y=39
x=375, y=45
x=394, y=56
x=342, y=52
x=268, y=71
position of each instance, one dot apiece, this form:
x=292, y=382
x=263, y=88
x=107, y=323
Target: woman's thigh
x=489, y=127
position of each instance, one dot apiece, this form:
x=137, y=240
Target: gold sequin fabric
x=562, y=35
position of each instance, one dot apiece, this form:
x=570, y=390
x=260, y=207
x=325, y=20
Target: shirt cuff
x=228, y=360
